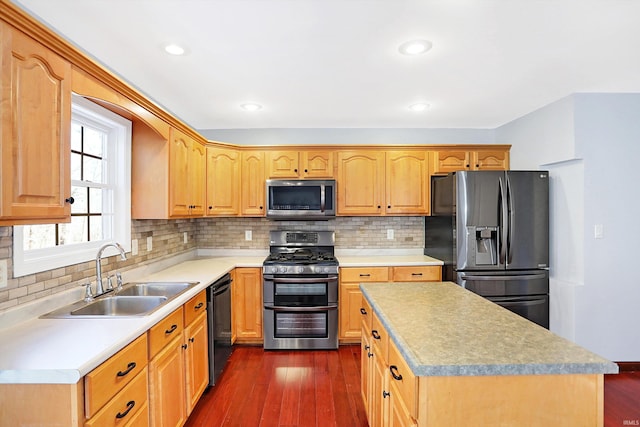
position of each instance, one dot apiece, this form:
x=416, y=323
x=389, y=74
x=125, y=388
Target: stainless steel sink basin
x=134, y=299
x=120, y=306
x=166, y=289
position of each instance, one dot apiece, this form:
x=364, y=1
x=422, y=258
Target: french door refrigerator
x=491, y=229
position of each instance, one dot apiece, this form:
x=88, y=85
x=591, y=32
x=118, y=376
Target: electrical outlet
x=3, y=273
x=134, y=247
x=598, y=231
x=149, y=244
x=390, y=234
x=248, y=235
x=185, y=237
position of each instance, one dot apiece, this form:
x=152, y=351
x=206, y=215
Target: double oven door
x=300, y=311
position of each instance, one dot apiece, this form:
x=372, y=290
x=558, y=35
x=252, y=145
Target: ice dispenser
x=485, y=245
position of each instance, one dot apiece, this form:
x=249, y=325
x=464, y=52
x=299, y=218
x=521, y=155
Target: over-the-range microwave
x=301, y=199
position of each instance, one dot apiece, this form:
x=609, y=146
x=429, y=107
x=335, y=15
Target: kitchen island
x=435, y=354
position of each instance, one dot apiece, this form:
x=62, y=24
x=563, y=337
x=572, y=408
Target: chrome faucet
x=99, y=288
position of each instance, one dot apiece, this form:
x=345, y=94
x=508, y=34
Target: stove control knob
x=300, y=269
x=283, y=269
x=326, y=269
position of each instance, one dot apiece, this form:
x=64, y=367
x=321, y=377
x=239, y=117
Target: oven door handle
x=300, y=309
x=303, y=279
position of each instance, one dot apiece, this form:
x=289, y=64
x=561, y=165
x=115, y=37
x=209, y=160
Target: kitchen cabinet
x=253, y=184
x=197, y=351
x=316, y=164
x=246, y=305
x=383, y=183
x=350, y=296
x=106, y=387
x=35, y=134
x=223, y=181
x=366, y=354
x=447, y=161
x=186, y=175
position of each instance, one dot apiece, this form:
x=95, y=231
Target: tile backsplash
x=217, y=233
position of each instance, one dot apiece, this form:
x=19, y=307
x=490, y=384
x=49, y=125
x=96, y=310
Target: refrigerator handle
x=509, y=232
x=503, y=221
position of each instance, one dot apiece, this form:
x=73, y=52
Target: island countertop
x=442, y=329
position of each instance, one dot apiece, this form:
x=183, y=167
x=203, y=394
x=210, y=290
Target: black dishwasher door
x=219, y=324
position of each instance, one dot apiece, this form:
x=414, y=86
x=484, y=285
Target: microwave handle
x=322, y=198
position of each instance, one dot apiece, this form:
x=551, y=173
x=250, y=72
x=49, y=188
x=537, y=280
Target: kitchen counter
x=385, y=260
x=442, y=329
x=62, y=351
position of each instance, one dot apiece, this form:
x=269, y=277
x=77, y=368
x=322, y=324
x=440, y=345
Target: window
x=101, y=188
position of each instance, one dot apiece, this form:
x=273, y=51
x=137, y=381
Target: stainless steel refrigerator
x=491, y=229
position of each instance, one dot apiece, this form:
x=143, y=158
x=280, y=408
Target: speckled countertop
x=442, y=329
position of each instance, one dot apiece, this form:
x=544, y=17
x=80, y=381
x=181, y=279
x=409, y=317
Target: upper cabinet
x=186, y=175
x=383, y=183
x=299, y=164
x=34, y=138
x=253, y=185
x=223, y=181
x=446, y=161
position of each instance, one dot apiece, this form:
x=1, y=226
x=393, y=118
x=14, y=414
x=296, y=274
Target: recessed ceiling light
x=415, y=47
x=419, y=107
x=251, y=106
x=174, y=49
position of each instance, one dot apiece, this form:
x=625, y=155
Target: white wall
x=589, y=143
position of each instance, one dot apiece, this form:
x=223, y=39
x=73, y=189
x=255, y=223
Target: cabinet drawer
x=364, y=274
x=366, y=313
x=110, y=377
x=380, y=338
x=418, y=273
x=164, y=331
x=194, y=307
x=125, y=406
x=403, y=378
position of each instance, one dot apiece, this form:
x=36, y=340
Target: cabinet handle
x=375, y=334
x=385, y=394
x=416, y=274
x=369, y=354
x=171, y=329
x=130, y=367
x=198, y=307
x=367, y=347
x=192, y=339
x=394, y=373
x=130, y=406
x=365, y=275
x=363, y=311
x=184, y=346
x=69, y=200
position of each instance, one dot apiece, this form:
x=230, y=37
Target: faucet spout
x=123, y=256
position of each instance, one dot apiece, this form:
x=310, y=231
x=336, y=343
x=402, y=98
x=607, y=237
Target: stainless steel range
x=301, y=291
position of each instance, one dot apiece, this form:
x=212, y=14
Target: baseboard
x=628, y=366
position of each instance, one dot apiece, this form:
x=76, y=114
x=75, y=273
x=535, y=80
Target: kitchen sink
x=120, y=306
x=134, y=299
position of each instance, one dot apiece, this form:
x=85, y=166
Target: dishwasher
x=219, y=324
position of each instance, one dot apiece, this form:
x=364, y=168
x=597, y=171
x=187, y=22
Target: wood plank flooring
x=322, y=388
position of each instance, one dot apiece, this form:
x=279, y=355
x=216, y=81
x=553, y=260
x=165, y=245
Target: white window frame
x=119, y=172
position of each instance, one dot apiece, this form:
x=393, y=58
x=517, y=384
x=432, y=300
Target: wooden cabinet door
x=366, y=354
x=350, y=317
x=223, y=181
x=166, y=386
x=379, y=405
x=179, y=154
x=247, y=304
x=282, y=164
x=196, y=360
x=35, y=133
x=491, y=160
x=407, y=182
x=317, y=164
x=450, y=161
x=196, y=178
x=360, y=182
x=253, y=185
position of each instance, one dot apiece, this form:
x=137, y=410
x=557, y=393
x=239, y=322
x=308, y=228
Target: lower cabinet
x=350, y=296
x=246, y=305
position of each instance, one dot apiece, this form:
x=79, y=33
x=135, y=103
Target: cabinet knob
x=305, y=171
x=210, y=207
x=295, y=170
x=260, y=207
x=379, y=206
x=388, y=206
x=69, y=200
x=385, y=394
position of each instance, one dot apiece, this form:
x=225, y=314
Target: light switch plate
x=3, y=273
x=149, y=244
x=248, y=235
x=390, y=234
x=598, y=231
x=134, y=247
x=186, y=237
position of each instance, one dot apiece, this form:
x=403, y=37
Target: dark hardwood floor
x=322, y=388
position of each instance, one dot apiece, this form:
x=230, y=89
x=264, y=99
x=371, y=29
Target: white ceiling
x=335, y=63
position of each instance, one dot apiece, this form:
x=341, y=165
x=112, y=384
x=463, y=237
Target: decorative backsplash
x=218, y=233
